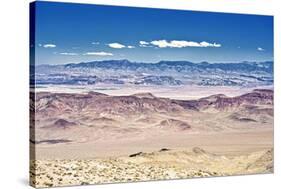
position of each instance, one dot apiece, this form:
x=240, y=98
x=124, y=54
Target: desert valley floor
x=87, y=138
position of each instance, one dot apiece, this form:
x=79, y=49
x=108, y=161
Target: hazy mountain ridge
x=162, y=73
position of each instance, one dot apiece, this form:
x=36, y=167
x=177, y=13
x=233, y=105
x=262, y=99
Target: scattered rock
x=136, y=154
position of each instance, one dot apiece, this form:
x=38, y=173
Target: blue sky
x=68, y=32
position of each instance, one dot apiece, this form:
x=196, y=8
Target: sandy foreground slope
x=143, y=160
x=163, y=164
x=96, y=138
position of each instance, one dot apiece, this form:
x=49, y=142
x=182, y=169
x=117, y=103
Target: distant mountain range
x=162, y=73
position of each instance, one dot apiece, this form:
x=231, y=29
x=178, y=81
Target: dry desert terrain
x=87, y=138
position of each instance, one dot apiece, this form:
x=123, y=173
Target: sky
x=73, y=33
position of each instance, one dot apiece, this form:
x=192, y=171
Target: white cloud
x=260, y=49
x=206, y=44
x=95, y=43
x=120, y=46
x=68, y=54
x=116, y=45
x=98, y=54
x=182, y=44
x=162, y=44
x=49, y=46
x=144, y=43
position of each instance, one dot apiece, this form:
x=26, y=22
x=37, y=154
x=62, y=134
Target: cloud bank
x=182, y=44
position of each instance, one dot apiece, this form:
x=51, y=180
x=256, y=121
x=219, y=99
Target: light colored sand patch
x=182, y=92
x=218, y=142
